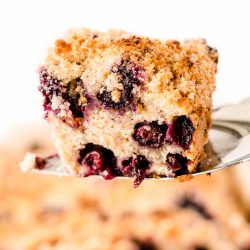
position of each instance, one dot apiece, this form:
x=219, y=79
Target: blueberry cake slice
x=123, y=105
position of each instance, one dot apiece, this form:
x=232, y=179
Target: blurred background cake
x=47, y=212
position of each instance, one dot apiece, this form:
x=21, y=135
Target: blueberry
x=40, y=163
x=189, y=202
x=130, y=75
x=145, y=245
x=50, y=86
x=72, y=97
x=136, y=167
x=98, y=160
x=181, y=132
x=177, y=163
x=150, y=134
x=130, y=72
x=106, y=98
x=200, y=247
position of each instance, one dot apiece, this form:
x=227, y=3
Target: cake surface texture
x=123, y=105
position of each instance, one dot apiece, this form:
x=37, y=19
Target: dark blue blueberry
x=181, y=132
x=188, y=202
x=150, y=134
x=177, y=163
x=129, y=75
x=98, y=160
x=136, y=167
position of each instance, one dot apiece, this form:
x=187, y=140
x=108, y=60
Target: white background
x=28, y=28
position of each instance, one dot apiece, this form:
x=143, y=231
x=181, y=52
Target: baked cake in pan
x=123, y=105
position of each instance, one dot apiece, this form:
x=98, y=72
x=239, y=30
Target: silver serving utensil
x=229, y=144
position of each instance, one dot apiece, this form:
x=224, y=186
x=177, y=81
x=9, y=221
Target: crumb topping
x=185, y=69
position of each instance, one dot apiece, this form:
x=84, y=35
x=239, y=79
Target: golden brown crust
x=189, y=66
